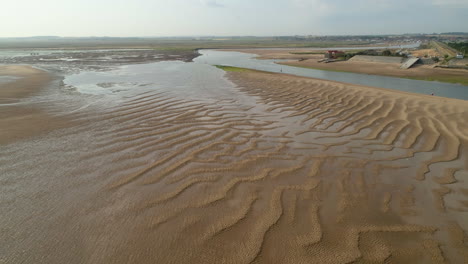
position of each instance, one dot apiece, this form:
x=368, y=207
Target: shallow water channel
x=245, y=60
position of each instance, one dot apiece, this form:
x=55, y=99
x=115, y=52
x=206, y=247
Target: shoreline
x=420, y=72
x=349, y=85
x=441, y=78
x=229, y=69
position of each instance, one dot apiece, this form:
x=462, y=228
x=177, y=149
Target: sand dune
x=314, y=172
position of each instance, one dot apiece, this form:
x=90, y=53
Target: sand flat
x=373, y=200
x=312, y=171
x=29, y=81
x=20, y=121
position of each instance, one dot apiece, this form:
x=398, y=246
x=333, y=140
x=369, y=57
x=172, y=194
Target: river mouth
x=237, y=59
x=178, y=162
x=244, y=60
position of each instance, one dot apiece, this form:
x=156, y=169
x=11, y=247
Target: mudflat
x=278, y=169
x=27, y=80
x=21, y=120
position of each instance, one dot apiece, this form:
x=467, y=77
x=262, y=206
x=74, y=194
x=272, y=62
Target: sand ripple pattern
x=312, y=172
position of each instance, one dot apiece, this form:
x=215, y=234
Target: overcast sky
x=229, y=17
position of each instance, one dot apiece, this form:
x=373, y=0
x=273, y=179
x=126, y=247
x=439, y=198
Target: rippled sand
x=311, y=172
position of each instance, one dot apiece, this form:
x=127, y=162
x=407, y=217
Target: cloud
x=211, y=3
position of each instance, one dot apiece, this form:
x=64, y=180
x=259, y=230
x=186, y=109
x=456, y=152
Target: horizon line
x=259, y=36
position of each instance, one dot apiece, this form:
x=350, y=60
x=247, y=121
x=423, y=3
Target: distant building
x=333, y=54
x=403, y=52
x=459, y=56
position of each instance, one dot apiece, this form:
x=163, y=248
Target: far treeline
x=461, y=47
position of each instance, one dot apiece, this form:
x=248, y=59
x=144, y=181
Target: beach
x=263, y=168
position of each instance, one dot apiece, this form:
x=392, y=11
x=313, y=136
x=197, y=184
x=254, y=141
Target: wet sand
x=387, y=183
x=96, y=58
x=26, y=81
x=281, y=169
x=23, y=120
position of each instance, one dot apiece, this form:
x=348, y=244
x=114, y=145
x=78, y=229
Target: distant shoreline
x=310, y=61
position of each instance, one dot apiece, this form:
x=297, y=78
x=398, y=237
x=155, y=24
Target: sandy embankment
x=375, y=68
x=20, y=120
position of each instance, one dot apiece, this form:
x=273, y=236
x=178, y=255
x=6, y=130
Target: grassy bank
x=446, y=79
x=231, y=69
x=438, y=78
x=237, y=69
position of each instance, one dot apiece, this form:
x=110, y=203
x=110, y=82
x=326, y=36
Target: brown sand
x=372, y=208
x=24, y=120
x=375, y=68
x=31, y=80
x=270, y=54
x=315, y=172
x=426, y=52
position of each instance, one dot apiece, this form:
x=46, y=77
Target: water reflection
x=245, y=60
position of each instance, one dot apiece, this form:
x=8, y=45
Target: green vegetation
x=237, y=69
x=386, y=53
x=231, y=69
x=425, y=46
x=181, y=44
x=353, y=52
x=447, y=58
x=461, y=47
x=448, y=79
x=443, y=48
x=331, y=44
x=306, y=53
x=348, y=54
